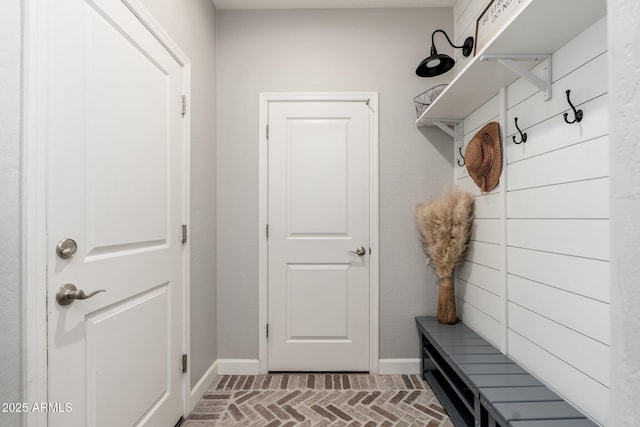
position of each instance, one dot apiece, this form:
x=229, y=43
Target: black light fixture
x=439, y=63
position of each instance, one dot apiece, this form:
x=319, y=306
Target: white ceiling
x=327, y=4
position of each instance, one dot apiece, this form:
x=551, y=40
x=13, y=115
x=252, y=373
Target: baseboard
x=251, y=367
x=203, y=385
x=238, y=367
x=399, y=366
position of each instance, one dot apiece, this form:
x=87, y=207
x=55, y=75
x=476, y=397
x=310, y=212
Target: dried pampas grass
x=445, y=226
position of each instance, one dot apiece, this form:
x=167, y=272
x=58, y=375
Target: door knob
x=360, y=251
x=69, y=293
x=66, y=248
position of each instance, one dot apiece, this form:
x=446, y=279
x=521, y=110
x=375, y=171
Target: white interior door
x=115, y=146
x=319, y=287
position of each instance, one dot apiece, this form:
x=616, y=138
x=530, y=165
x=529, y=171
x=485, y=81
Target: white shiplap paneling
x=484, y=301
x=580, y=50
x=487, y=230
x=549, y=135
x=487, y=254
x=581, y=276
x=553, y=206
x=587, y=160
x=584, y=315
x=488, y=112
x=583, y=88
x=488, y=206
x=581, y=199
x=578, y=350
x=587, y=394
x=484, y=277
x=481, y=280
x=558, y=227
x=483, y=324
x=580, y=237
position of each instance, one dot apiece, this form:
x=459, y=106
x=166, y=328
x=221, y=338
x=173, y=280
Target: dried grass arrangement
x=445, y=228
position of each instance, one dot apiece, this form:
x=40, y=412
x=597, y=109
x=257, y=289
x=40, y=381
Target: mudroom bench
x=480, y=386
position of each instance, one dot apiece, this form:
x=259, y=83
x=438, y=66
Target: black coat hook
x=460, y=151
x=578, y=113
x=523, y=136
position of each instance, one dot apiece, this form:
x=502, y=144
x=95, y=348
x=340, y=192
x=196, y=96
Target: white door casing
x=116, y=145
x=322, y=207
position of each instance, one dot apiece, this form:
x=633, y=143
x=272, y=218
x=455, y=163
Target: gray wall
x=10, y=104
x=624, y=31
x=328, y=50
x=191, y=25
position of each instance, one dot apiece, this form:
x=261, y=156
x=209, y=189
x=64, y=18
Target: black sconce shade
x=439, y=63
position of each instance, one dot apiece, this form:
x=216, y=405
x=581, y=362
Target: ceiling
x=327, y=4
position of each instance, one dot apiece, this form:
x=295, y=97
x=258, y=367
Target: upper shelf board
x=540, y=27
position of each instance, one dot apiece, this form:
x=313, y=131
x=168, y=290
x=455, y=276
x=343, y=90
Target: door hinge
x=267, y=132
x=184, y=234
x=184, y=104
x=184, y=363
x=267, y=330
x=266, y=231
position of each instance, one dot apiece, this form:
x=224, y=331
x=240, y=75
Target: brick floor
x=288, y=400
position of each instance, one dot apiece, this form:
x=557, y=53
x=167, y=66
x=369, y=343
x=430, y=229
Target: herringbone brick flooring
x=288, y=400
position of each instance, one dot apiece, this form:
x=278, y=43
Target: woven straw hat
x=483, y=157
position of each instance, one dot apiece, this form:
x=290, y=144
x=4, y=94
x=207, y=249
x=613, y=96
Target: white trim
x=34, y=184
x=140, y=11
x=504, y=344
x=374, y=238
x=399, y=366
x=263, y=248
x=263, y=244
x=238, y=366
x=203, y=385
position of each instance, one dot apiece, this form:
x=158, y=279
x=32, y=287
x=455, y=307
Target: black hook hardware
x=578, y=113
x=523, y=136
x=460, y=151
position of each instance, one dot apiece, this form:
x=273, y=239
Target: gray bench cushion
x=480, y=358
x=461, y=341
x=491, y=368
x=471, y=349
x=501, y=380
x=511, y=411
x=517, y=394
x=584, y=422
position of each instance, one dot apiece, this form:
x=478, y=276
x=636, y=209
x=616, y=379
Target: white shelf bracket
x=511, y=62
x=446, y=129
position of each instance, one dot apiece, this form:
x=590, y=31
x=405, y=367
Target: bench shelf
x=479, y=386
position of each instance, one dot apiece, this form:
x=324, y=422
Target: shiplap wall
x=536, y=278
x=480, y=279
x=558, y=227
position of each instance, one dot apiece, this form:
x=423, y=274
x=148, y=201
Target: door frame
x=34, y=242
x=263, y=213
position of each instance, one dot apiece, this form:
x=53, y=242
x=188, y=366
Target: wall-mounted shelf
x=540, y=28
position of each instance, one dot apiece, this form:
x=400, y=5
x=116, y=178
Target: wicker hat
x=483, y=157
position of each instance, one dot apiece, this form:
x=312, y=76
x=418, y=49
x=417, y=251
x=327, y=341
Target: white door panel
x=318, y=213
x=115, y=146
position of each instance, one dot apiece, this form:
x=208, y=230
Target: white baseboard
x=251, y=367
x=203, y=385
x=399, y=366
x=238, y=367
